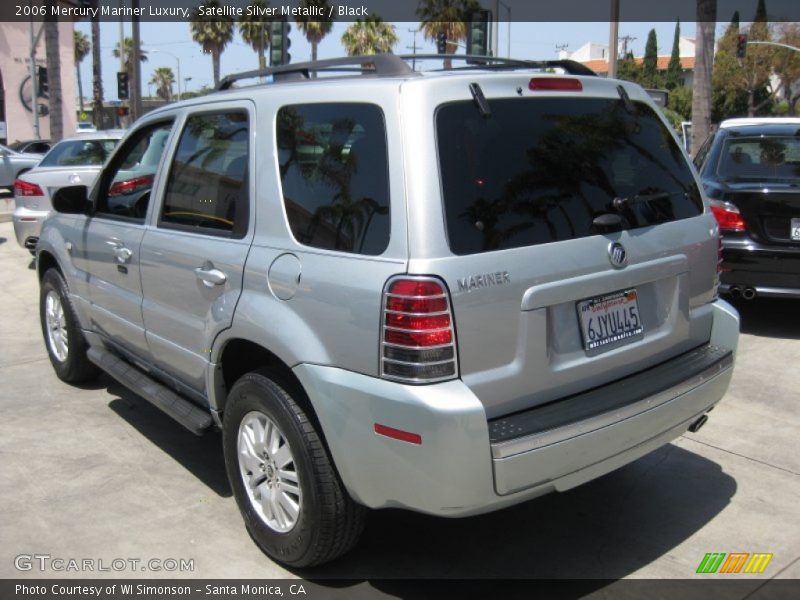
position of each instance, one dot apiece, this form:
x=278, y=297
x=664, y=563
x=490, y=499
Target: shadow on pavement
x=3, y=240
x=201, y=456
x=608, y=528
x=769, y=317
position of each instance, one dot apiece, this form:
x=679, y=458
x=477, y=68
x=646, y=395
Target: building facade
x=16, y=106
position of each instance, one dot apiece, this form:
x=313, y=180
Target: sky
x=167, y=43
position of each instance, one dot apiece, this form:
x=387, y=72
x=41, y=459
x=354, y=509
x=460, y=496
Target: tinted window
x=127, y=182
x=78, y=153
x=763, y=158
x=207, y=188
x=333, y=168
x=541, y=170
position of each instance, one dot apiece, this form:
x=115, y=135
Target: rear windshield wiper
x=621, y=203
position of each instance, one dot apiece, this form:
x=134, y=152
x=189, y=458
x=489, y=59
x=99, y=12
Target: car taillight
x=418, y=339
x=123, y=188
x=26, y=188
x=555, y=84
x=727, y=215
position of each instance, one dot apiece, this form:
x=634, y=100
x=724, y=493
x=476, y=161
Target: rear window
x=78, y=153
x=541, y=170
x=764, y=158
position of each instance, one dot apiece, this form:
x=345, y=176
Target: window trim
x=236, y=232
x=282, y=196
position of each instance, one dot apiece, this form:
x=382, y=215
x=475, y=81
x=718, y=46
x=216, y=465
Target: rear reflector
x=727, y=215
x=398, y=434
x=26, y=188
x=418, y=339
x=552, y=84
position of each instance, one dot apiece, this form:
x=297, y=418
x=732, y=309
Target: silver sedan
x=72, y=161
x=12, y=163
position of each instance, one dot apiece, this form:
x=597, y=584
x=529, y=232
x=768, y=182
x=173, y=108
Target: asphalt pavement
x=95, y=472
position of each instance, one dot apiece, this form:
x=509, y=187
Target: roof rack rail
x=381, y=65
x=497, y=63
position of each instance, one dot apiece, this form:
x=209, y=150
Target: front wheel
x=290, y=496
x=65, y=343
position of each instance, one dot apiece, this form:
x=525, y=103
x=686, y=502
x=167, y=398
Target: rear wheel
x=65, y=343
x=292, y=500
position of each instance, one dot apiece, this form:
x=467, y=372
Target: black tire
x=72, y=366
x=329, y=522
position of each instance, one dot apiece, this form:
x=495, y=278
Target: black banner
x=392, y=10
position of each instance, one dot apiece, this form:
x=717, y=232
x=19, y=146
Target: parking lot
x=95, y=472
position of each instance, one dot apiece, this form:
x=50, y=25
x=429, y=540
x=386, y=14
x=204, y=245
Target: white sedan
x=72, y=161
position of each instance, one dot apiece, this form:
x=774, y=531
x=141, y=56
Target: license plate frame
x=609, y=321
x=794, y=230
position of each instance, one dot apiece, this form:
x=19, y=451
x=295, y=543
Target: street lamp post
x=177, y=60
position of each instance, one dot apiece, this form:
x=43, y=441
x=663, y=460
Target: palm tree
x=254, y=30
x=448, y=16
x=53, y=56
x=127, y=53
x=213, y=33
x=97, y=72
x=315, y=30
x=81, y=46
x=163, y=78
x=371, y=36
x=703, y=64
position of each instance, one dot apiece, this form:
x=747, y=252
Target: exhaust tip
x=735, y=291
x=695, y=427
x=748, y=293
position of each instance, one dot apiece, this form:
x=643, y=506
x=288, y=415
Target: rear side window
x=334, y=174
x=207, y=189
x=541, y=170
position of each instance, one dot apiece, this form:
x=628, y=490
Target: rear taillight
x=555, y=84
x=123, y=188
x=727, y=215
x=26, y=188
x=418, y=339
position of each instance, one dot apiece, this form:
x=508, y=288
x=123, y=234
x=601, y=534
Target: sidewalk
x=6, y=205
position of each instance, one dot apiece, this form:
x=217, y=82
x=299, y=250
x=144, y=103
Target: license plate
x=795, y=229
x=610, y=321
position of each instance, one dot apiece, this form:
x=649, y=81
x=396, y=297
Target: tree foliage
x=315, y=29
x=672, y=78
x=254, y=29
x=651, y=78
x=628, y=69
x=212, y=32
x=449, y=16
x=370, y=36
x=163, y=78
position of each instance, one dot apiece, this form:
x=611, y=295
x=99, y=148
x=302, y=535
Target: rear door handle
x=210, y=276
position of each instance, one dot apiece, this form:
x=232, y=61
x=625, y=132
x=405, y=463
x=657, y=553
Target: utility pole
x=34, y=83
x=626, y=39
x=414, y=48
x=136, y=84
x=612, y=39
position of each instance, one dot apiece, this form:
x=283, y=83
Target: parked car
x=85, y=127
x=750, y=170
x=12, y=163
x=31, y=146
x=446, y=292
x=72, y=161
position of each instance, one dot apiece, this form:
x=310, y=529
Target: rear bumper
x=28, y=226
x=768, y=270
x=458, y=470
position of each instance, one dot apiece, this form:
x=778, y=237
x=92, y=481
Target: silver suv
x=448, y=291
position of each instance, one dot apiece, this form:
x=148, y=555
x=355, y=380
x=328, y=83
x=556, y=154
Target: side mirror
x=71, y=200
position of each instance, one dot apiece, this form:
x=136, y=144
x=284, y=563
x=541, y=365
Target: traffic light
x=279, y=42
x=122, y=85
x=741, y=45
x=478, y=32
x=441, y=42
x=41, y=80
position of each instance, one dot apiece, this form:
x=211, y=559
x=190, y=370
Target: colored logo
x=734, y=562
